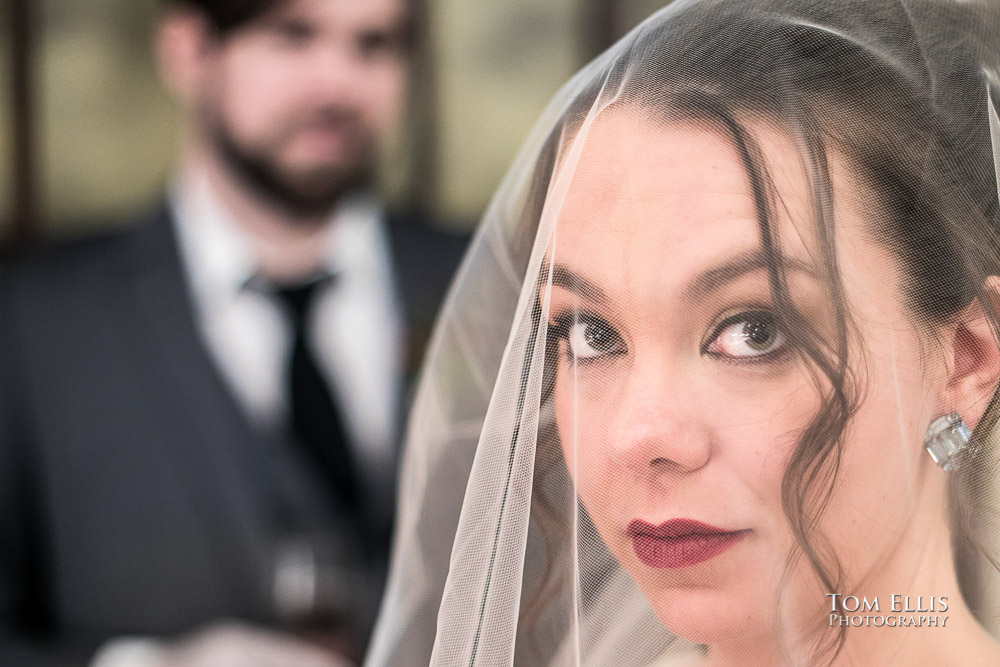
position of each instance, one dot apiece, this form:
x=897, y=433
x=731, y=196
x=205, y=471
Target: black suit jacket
x=135, y=498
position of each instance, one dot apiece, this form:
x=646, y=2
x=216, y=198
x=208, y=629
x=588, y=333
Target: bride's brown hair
x=911, y=119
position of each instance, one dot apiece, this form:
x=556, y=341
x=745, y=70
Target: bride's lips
x=680, y=542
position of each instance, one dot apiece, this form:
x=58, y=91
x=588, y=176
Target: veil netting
x=677, y=410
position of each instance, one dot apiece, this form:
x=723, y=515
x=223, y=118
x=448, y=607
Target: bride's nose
x=662, y=424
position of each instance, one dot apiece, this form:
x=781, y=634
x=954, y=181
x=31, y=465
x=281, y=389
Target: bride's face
x=679, y=397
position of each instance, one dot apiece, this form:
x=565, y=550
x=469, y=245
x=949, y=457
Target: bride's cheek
x=582, y=411
x=565, y=422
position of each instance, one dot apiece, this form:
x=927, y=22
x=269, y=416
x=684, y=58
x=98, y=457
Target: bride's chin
x=708, y=617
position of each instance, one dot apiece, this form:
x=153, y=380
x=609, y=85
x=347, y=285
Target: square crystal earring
x=947, y=441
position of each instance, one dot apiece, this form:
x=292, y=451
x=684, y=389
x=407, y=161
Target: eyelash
x=562, y=325
x=746, y=317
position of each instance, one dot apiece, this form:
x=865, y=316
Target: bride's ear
x=975, y=353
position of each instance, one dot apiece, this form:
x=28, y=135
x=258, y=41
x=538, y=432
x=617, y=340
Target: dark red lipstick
x=680, y=542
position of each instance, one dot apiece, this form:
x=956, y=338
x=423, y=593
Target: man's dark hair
x=227, y=15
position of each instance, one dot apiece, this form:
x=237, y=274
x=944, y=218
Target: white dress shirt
x=355, y=327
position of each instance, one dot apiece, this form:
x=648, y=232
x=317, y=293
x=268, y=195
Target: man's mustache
x=328, y=118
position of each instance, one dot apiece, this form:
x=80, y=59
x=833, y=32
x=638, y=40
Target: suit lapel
x=215, y=451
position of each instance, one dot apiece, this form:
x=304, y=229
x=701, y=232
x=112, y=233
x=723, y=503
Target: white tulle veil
x=629, y=447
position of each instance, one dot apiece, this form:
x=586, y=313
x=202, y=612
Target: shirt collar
x=219, y=254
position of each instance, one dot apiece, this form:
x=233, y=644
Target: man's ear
x=975, y=352
x=184, y=44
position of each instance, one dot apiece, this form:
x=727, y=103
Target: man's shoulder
x=425, y=258
x=417, y=240
x=67, y=263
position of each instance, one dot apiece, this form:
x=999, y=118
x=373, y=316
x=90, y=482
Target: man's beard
x=305, y=194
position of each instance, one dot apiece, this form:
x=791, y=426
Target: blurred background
x=87, y=132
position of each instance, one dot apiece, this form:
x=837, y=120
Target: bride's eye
x=588, y=337
x=746, y=336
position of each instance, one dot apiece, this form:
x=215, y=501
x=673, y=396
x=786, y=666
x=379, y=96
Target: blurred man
x=198, y=416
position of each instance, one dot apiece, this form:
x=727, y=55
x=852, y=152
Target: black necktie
x=313, y=413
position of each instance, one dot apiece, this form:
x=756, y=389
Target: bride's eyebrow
x=735, y=268
x=563, y=276
x=709, y=280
